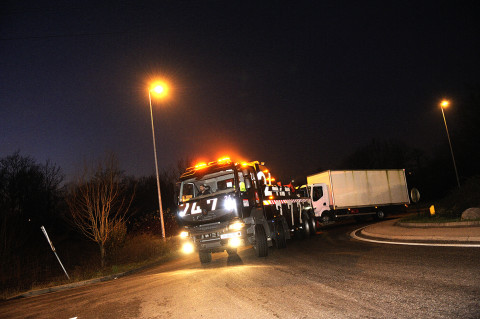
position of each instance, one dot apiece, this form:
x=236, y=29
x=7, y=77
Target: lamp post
x=160, y=90
x=444, y=104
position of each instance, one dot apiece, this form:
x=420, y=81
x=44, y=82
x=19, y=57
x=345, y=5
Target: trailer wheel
x=306, y=225
x=261, y=245
x=280, y=239
x=379, y=215
x=205, y=257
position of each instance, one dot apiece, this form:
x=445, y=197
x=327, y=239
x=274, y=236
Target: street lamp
x=445, y=104
x=160, y=90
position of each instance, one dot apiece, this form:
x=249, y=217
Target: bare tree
x=98, y=201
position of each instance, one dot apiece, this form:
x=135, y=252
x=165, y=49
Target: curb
x=472, y=239
x=438, y=225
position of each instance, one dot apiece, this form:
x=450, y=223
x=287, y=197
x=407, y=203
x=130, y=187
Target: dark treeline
x=433, y=174
x=34, y=194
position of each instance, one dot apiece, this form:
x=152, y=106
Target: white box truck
x=350, y=193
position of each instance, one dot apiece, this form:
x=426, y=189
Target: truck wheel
x=280, y=239
x=305, y=225
x=313, y=226
x=326, y=218
x=205, y=257
x=379, y=215
x=261, y=246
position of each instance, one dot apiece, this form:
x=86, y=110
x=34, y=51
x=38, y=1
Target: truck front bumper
x=214, y=240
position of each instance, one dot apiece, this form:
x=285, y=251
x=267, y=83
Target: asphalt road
x=328, y=276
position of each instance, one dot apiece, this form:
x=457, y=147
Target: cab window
x=317, y=193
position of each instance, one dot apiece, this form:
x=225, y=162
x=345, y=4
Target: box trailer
x=348, y=193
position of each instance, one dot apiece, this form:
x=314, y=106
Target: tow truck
x=240, y=208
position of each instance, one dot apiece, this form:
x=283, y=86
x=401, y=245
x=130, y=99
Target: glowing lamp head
x=223, y=160
x=444, y=103
x=200, y=165
x=159, y=89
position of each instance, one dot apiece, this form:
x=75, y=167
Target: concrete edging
x=421, y=237
x=438, y=225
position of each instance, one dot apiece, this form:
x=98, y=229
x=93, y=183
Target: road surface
x=327, y=276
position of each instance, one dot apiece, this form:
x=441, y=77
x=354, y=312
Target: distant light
x=445, y=103
x=184, y=234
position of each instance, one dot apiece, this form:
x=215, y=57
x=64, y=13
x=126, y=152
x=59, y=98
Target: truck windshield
x=214, y=183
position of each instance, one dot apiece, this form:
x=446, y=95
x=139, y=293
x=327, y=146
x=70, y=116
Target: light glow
x=184, y=234
x=224, y=159
x=187, y=248
x=200, y=165
x=445, y=103
x=229, y=203
x=234, y=242
x=159, y=89
x=236, y=225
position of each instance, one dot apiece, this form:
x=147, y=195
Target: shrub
x=460, y=199
x=142, y=247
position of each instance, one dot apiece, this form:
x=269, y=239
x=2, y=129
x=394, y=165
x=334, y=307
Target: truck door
x=319, y=198
x=248, y=190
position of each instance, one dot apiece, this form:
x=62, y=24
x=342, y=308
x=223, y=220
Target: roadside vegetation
x=122, y=233
x=451, y=207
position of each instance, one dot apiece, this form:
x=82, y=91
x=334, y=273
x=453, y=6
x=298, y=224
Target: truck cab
x=318, y=193
x=229, y=214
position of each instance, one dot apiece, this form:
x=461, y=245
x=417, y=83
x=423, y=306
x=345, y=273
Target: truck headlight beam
x=187, y=248
x=234, y=242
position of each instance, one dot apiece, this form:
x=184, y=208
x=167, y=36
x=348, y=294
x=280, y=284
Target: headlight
x=184, y=234
x=236, y=225
x=188, y=248
x=234, y=242
x=229, y=203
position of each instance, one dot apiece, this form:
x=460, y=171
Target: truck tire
x=326, y=218
x=261, y=245
x=380, y=215
x=205, y=257
x=313, y=226
x=306, y=225
x=280, y=239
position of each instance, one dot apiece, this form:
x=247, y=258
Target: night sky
x=297, y=84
